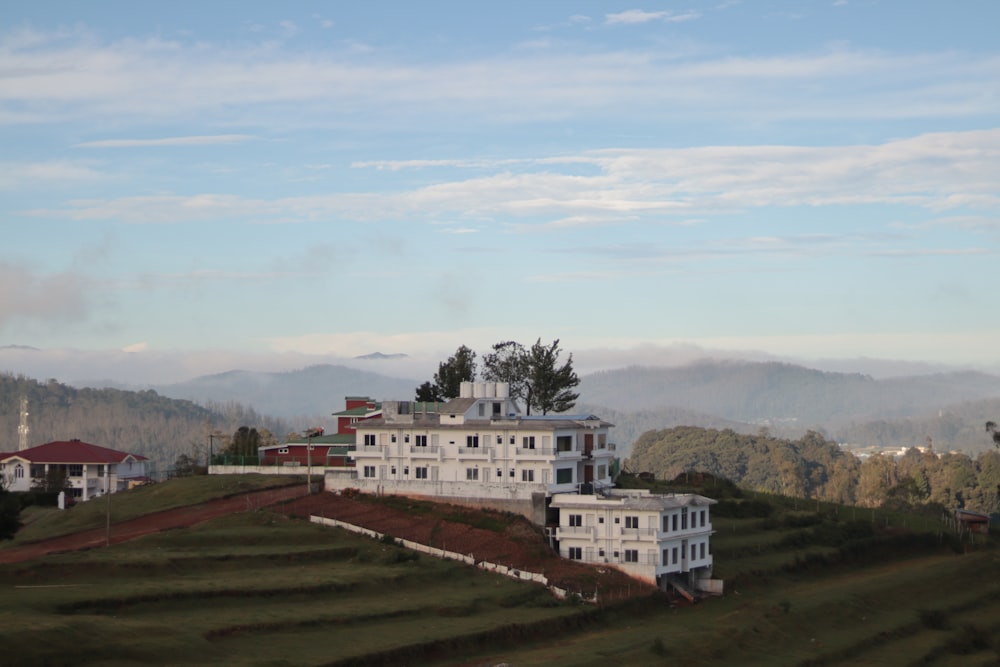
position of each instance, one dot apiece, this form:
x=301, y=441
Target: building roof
x=632, y=500
x=71, y=451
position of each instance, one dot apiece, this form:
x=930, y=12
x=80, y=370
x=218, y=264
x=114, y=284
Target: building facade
x=90, y=470
x=479, y=449
x=661, y=539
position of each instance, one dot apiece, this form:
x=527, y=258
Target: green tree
x=991, y=428
x=508, y=362
x=55, y=480
x=460, y=367
x=550, y=385
x=245, y=442
x=10, y=512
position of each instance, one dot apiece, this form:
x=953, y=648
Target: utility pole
x=107, y=492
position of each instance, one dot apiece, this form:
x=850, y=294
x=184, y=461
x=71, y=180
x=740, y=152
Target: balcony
x=428, y=450
x=535, y=452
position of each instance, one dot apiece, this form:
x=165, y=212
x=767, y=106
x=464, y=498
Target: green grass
x=43, y=523
x=256, y=588
x=805, y=588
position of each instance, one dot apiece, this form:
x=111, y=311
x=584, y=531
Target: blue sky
x=192, y=187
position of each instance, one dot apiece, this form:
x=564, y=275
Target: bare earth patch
x=519, y=544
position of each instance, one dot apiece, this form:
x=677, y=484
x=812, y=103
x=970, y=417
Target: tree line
x=533, y=374
x=814, y=467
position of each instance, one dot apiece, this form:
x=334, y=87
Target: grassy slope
x=45, y=522
x=261, y=589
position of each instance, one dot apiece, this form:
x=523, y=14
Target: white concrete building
x=661, y=539
x=90, y=470
x=479, y=449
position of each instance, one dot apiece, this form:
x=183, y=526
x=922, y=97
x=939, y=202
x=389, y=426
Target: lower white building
x=661, y=539
x=89, y=470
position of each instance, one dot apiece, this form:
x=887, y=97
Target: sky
x=187, y=188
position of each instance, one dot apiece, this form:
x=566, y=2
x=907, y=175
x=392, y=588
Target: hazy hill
x=141, y=422
x=307, y=393
x=779, y=393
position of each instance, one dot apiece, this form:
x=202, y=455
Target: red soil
x=180, y=517
x=521, y=545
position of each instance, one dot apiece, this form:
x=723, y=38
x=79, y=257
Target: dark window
x=370, y=440
x=421, y=441
x=76, y=470
x=370, y=471
x=631, y=555
x=564, y=476
x=472, y=474
x=528, y=442
x=421, y=473
x=631, y=522
x=575, y=553
x=472, y=441
x=575, y=519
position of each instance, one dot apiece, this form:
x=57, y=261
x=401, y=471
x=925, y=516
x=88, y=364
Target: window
x=393, y=437
x=564, y=476
x=513, y=439
x=421, y=441
x=370, y=440
x=497, y=406
x=674, y=552
x=406, y=438
x=420, y=472
x=692, y=552
x=527, y=475
x=482, y=409
x=600, y=519
x=472, y=441
x=673, y=521
x=406, y=471
x=631, y=522
x=575, y=519
x=564, y=443
x=684, y=518
x=499, y=439
x=631, y=555
x=392, y=470
x=528, y=442
x=666, y=556
x=602, y=471
x=283, y=450
x=512, y=473
x=370, y=472
x=76, y=470
x=472, y=474
x=19, y=471
x=702, y=513
x=701, y=550
x=100, y=470
x=500, y=473
x=575, y=553
x=666, y=524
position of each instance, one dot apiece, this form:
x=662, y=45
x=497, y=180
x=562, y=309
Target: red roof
x=71, y=451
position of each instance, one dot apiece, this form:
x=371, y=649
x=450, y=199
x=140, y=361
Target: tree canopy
x=533, y=375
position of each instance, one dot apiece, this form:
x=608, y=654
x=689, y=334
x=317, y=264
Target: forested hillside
x=141, y=422
x=814, y=467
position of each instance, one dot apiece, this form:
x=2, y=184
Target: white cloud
x=203, y=140
x=636, y=16
x=149, y=81
x=936, y=172
x=45, y=174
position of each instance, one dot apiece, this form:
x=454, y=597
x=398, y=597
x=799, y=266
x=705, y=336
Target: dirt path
x=180, y=517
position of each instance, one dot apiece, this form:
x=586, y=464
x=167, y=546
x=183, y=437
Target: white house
x=479, y=449
x=661, y=539
x=91, y=470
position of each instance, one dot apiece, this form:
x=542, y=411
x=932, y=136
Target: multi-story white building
x=479, y=449
x=661, y=539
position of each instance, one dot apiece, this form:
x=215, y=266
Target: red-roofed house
x=90, y=469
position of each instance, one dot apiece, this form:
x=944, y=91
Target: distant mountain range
x=950, y=407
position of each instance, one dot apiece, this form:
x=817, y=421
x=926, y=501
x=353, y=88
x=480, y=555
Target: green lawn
x=42, y=523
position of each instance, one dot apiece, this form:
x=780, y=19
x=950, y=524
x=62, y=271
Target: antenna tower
x=22, y=427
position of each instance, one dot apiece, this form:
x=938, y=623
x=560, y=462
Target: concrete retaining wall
x=468, y=559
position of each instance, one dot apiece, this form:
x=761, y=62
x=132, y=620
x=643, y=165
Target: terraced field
x=805, y=585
